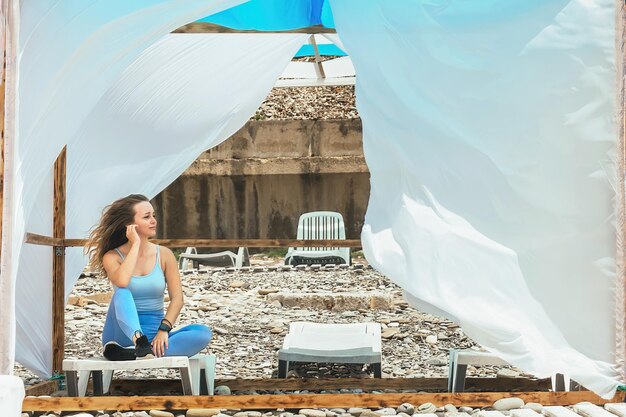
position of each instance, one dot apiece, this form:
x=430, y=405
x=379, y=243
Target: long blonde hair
x=110, y=232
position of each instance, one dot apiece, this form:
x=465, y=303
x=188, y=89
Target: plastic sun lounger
x=319, y=225
x=223, y=259
x=331, y=343
x=101, y=370
x=460, y=359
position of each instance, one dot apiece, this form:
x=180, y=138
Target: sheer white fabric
x=70, y=53
x=489, y=130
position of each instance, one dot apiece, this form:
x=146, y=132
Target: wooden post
x=58, y=264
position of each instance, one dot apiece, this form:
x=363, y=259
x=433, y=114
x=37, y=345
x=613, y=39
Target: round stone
x=204, y=412
x=536, y=407
x=508, y=404
x=223, y=390
x=308, y=412
x=426, y=408
x=406, y=408
x=160, y=413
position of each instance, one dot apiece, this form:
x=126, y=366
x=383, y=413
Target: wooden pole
x=58, y=264
x=4, y=66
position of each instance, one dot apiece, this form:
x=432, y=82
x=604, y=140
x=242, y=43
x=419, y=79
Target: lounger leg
x=96, y=377
x=376, y=369
x=71, y=381
x=458, y=385
x=283, y=368
x=185, y=378
x=451, y=370
x=209, y=373
x=83, y=381
x=558, y=383
x=107, y=377
x=194, y=367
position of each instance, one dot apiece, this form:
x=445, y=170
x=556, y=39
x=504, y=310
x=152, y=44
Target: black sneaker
x=143, y=348
x=114, y=352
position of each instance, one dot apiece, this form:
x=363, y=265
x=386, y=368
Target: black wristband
x=165, y=327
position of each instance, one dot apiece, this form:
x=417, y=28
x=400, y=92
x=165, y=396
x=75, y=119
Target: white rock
x=222, y=390
x=406, y=408
x=160, y=413
x=534, y=406
x=450, y=408
x=508, y=403
x=426, y=408
x=204, y=412
x=308, y=412
x=386, y=412
x=432, y=339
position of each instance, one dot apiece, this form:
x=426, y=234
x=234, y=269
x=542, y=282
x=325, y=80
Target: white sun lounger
x=319, y=225
x=331, y=343
x=220, y=259
x=460, y=359
x=78, y=371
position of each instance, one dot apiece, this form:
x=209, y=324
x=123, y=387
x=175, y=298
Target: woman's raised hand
x=131, y=234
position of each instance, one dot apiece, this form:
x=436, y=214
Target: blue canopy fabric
x=269, y=15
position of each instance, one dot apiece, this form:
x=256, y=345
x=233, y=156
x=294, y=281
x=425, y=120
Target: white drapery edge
x=10, y=30
x=620, y=278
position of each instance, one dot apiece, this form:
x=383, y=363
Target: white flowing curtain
x=490, y=133
x=70, y=53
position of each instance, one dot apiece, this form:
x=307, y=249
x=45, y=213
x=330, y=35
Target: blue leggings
x=123, y=319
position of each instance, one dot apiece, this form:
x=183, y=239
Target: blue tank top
x=147, y=290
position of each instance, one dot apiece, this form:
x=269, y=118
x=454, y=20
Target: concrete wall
x=257, y=183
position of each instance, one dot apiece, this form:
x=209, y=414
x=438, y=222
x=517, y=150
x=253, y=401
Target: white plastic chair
x=319, y=225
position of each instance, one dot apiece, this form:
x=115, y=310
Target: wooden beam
x=58, y=264
x=258, y=243
x=36, y=239
x=209, y=243
x=298, y=401
x=2, y=90
x=206, y=27
x=147, y=386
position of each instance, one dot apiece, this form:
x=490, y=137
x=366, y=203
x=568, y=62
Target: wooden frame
x=206, y=27
x=299, y=401
x=206, y=243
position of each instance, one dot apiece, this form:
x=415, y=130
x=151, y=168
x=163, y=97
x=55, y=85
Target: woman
x=135, y=325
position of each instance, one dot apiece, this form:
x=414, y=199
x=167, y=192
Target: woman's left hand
x=160, y=343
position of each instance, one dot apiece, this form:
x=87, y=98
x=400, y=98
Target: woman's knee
x=204, y=332
x=122, y=294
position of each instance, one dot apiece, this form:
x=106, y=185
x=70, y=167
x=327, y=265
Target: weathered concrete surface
x=262, y=206
x=258, y=182
x=286, y=147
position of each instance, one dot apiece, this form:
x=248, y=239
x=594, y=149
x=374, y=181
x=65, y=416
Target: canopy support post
x=58, y=264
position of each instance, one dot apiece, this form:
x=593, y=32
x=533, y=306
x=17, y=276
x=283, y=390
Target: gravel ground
x=249, y=326
x=311, y=103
